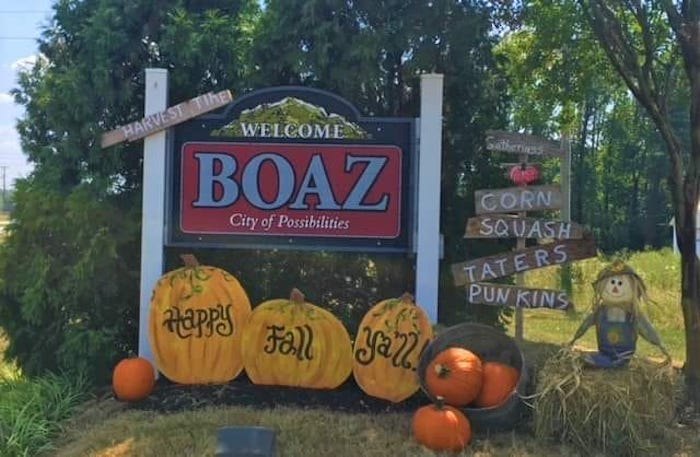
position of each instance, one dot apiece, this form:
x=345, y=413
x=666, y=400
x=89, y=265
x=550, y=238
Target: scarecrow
x=618, y=317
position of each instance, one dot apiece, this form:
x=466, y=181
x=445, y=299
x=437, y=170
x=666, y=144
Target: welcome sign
x=294, y=168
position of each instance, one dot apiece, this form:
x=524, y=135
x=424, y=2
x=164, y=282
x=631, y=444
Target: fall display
x=203, y=331
x=455, y=374
x=618, y=317
x=389, y=341
x=289, y=342
x=488, y=345
x=197, y=318
x=133, y=379
x=440, y=427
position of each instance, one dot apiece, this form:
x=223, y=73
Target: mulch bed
x=168, y=397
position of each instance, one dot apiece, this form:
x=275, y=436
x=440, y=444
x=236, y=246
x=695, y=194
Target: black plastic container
x=246, y=442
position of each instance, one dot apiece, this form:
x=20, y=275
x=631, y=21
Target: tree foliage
x=561, y=83
x=69, y=266
x=655, y=48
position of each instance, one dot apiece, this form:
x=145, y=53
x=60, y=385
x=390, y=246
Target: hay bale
x=620, y=412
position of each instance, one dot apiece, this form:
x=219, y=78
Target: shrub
x=67, y=298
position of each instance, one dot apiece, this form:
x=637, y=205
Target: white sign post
x=153, y=206
x=429, y=171
x=428, y=223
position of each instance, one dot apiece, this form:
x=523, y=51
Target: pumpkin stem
x=189, y=260
x=296, y=296
x=439, y=402
x=441, y=370
x=406, y=298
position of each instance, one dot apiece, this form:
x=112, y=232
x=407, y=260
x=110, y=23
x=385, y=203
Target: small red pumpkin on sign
x=524, y=174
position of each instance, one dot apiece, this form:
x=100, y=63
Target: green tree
x=561, y=83
x=655, y=48
x=69, y=265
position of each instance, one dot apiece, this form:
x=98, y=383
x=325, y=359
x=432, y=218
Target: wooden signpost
x=517, y=297
x=519, y=143
x=500, y=265
x=506, y=226
x=495, y=219
x=517, y=199
x=162, y=120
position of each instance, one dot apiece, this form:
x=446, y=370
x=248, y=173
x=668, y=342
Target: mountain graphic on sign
x=290, y=117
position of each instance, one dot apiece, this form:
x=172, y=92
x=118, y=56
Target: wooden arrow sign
x=517, y=199
x=500, y=265
x=505, y=226
x=485, y=293
x=519, y=143
x=172, y=116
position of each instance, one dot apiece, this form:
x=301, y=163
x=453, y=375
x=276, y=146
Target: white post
x=429, y=171
x=153, y=206
x=520, y=244
x=565, y=280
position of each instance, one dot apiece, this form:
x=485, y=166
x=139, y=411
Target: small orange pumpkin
x=133, y=379
x=441, y=428
x=499, y=382
x=456, y=374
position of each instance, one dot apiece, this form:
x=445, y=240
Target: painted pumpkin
x=499, y=381
x=388, y=345
x=456, y=374
x=196, y=324
x=441, y=428
x=289, y=342
x=133, y=379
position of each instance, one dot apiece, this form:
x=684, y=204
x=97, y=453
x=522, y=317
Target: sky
x=20, y=26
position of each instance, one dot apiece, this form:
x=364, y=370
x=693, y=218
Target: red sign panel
x=319, y=190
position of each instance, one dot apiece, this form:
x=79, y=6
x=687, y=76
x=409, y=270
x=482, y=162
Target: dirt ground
x=169, y=397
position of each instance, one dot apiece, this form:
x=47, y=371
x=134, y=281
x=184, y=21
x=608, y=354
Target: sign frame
x=426, y=220
x=385, y=132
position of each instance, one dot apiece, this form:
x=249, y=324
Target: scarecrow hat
x=618, y=268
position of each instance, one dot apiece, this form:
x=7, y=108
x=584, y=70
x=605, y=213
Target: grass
x=300, y=433
x=31, y=410
x=107, y=428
